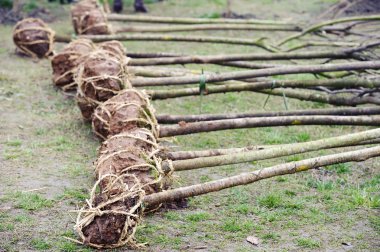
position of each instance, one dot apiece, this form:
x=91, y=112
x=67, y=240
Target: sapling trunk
x=182, y=155
x=322, y=97
x=238, y=75
x=170, y=119
x=251, y=177
x=241, y=86
x=205, y=27
x=183, y=38
x=182, y=59
x=178, y=20
x=255, y=155
x=240, y=123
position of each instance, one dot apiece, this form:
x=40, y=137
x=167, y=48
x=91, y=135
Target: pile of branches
x=134, y=172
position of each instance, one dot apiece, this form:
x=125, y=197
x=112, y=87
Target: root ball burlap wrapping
x=115, y=48
x=34, y=38
x=99, y=78
x=127, y=169
x=89, y=18
x=65, y=63
x=127, y=110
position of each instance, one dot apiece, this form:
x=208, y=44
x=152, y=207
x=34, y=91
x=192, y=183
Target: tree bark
x=322, y=97
x=238, y=75
x=176, y=20
x=182, y=155
x=241, y=86
x=240, y=123
x=247, y=178
x=204, y=27
x=173, y=119
x=183, y=38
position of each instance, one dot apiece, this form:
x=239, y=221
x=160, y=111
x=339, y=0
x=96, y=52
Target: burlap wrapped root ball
x=65, y=63
x=129, y=109
x=115, y=48
x=99, y=78
x=89, y=18
x=127, y=169
x=34, y=38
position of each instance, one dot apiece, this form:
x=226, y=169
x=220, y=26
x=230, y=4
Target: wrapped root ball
x=33, y=37
x=89, y=18
x=65, y=63
x=115, y=47
x=134, y=154
x=111, y=218
x=125, y=111
x=99, y=77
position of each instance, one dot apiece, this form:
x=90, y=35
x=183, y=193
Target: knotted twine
x=101, y=76
x=34, y=38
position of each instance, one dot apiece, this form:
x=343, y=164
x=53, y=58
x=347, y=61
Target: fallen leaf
x=253, y=240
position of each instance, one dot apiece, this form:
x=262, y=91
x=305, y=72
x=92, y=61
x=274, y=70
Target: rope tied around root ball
x=89, y=18
x=100, y=77
x=34, y=38
x=65, y=63
x=128, y=169
x=129, y=109
x=128, y=210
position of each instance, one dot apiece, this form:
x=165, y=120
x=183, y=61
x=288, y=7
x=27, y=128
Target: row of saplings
x=129, y=165
x=132, y=172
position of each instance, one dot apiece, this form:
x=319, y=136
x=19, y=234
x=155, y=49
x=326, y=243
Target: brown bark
x=322, y=97
x=240, y=123
x=203, y=27
x=169, y=119
x=236, y=86
x=178, y=20
x=251, y=177
x=183, y=38
x=238, y=75
x=183, y=155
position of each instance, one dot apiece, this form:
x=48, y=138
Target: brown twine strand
x=120, y=77
x=146, y=119
x=22, y=45
x=87, y=214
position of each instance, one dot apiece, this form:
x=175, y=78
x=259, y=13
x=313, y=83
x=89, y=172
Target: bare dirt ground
x=46, y=155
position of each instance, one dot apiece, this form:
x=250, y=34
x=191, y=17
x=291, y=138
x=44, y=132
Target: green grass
x=28, y=201
x=40, y=244
x=270, y=201
x=197, y=217
x=308, y=243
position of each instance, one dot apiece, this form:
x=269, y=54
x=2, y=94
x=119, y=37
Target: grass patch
x=363, y=198
x=172, y=216
x=237, y=225
x=14, y=143
x=339, y=168
x=308, y=243
x=40, y=244
x=271, y=236
x=6, y=227
x=196, y=217
x=29, y=201
x=270, y=201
